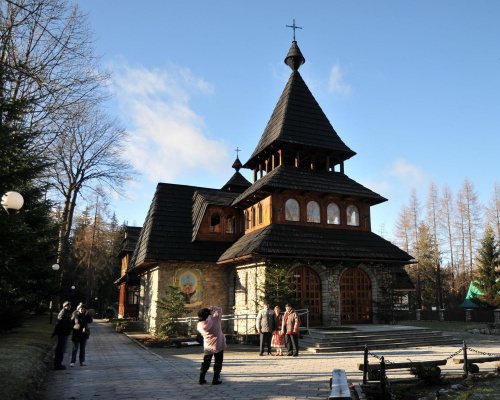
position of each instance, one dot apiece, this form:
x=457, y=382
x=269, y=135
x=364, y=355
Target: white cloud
x=167, y=138
x=336, y=85
x=407, y=173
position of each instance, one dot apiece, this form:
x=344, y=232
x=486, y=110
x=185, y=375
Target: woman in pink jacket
x=214, y=341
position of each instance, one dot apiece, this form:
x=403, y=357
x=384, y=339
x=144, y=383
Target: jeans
x=60, y=349
x=78, y=343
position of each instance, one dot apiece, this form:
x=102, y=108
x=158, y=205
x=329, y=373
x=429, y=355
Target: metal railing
x=243, y=324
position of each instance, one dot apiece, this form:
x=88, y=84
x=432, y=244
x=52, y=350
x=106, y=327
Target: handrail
x=243, y=317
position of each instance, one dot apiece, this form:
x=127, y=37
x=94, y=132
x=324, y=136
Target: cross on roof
x=237, y=151
x=294, y=27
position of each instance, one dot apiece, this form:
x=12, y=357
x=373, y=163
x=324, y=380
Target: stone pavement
x=119, y=368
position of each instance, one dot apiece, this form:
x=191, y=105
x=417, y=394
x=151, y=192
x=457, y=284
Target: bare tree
x=445, y=219
x=88, y=154
x=470, y=221
x=492, y=210
x=46, y=48
x=432, y=206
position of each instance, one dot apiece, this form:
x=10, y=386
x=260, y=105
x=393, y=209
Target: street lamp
x=55, y=267
x=12, y=202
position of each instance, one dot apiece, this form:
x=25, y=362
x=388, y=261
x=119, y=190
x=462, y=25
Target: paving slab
x=120, y=368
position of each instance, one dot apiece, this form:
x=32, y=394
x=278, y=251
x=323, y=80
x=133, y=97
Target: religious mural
x=189, y=281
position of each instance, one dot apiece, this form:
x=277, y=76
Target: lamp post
x=55, y=267
x=12, y=202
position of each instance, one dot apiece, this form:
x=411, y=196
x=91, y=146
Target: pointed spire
x=294, y=58
x=237, y=164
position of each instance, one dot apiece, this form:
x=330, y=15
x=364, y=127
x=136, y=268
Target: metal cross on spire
x=294, y=27
x=237, y=151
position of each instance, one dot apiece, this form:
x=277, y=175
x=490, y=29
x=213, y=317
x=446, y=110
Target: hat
x=203, y=314
x=66, y=303
x=288, y=305
x=266, y=301
x=83, y=306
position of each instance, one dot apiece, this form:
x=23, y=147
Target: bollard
x=365, y=364
x=382, y=378
x=466, y=367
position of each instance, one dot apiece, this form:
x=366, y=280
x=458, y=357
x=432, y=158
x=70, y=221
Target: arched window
x=230, y=224
x=215, y=223
x=313, y=212
x=352, y=215
x=333, y=214
x=253, y=217
x=247, y=220
x=292, y=210
x=259, y=217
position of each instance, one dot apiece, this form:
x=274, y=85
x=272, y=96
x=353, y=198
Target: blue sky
x=412, y=87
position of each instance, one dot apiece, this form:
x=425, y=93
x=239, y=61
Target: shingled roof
x=299, y=120
x=202, y=198
x=130, y=240
x=238, y=183
x=167, y=231
x=288, y=177
x=295, y=241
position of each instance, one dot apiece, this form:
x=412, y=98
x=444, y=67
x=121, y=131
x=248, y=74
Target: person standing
x=265, y=326
x=81, y=320
x=278, y=340
x=290, y=328
x=62, y=330
x=214, y=342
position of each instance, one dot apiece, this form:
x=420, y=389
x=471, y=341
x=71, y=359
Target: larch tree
x=433, y=210
x=492, y=210
x=414, y=209
x=445, y=219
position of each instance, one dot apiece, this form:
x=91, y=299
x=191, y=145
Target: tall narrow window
x=292, y=210
x=313, y=212
x=230, y=223
x=352, y=215
x=247, y=220
x=333, y=214
x=259, y=216
x=253, y=217
x=215, y=223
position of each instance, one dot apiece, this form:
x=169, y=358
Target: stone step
x=366, y=339
x=346, y=342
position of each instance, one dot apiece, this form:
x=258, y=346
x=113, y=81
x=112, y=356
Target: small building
x=302, y=210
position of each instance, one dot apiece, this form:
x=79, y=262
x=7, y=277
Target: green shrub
x=429, y=375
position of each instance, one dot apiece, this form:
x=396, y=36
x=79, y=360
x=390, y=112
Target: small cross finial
x=294, y=27
x=237, y=151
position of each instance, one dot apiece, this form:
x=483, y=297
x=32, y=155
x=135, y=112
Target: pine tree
x=487, y=276
x=171, y=307
x=278, y=287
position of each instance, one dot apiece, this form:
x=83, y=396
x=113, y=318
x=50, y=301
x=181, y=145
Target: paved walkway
x=119, y=368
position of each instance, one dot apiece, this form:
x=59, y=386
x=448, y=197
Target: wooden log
x=404, y=364
x=474, y=360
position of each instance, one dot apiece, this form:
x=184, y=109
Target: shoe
x=72, y=365
x=261, y=354
x=82, y=364
x=270, y=354
x=60, y=367
x=289, y=354
x=295, y=355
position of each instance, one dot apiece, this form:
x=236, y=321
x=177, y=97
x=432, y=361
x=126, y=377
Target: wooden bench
x=472, y=361
x=339, y=386
x=374, y=369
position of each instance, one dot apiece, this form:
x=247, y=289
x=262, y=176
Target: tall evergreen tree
x=487, y=274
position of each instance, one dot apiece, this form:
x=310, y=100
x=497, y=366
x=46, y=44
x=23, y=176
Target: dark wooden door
x=355, y=297
x=308, y=291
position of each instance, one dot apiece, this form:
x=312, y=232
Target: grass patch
x=22, y=354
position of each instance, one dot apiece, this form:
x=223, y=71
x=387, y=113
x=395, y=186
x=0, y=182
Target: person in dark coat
x=62, y=330
x=81, y=320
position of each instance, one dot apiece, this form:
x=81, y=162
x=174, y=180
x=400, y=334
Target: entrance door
x=308, y=291
x=355, y=297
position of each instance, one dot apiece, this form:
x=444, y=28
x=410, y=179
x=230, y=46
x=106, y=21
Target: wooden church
x=301, y=209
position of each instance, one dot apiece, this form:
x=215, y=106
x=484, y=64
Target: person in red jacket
x=290, y=328
x=214, y=341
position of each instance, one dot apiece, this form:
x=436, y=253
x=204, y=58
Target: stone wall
x=209, y=281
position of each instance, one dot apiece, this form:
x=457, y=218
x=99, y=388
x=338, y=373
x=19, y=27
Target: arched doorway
x=355, y=297
x=308, y=291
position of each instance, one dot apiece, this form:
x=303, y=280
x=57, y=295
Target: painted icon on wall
x=190, y=284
